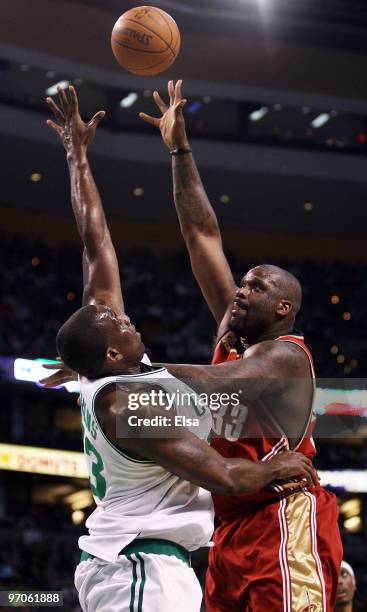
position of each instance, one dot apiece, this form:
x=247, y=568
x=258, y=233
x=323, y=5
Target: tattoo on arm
x=192, y=204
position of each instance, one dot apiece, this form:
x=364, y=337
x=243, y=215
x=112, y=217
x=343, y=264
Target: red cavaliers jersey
x=262, y=445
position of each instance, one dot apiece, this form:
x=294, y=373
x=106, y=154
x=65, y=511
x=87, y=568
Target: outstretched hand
x=73, y=131
x=172, y=122
x=62, y=376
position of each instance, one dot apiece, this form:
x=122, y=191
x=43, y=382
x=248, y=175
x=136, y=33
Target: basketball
x=145, y=40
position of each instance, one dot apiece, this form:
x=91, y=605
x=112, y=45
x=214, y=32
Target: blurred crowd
x=41, y=286
x=33, y=557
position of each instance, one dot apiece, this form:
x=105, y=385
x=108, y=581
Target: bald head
x=286, y=283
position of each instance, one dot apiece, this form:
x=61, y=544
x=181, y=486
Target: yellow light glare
x=353, y=524
x=79, y=500
x=351, y=507
x=36, y=177
x=77, y=517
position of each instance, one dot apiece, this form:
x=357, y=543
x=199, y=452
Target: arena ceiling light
x=320, y=120
x=258, y=114
x=129, y=100
x=52, y=91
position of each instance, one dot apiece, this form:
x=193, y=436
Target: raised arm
x=101, y=279
x=198, y=222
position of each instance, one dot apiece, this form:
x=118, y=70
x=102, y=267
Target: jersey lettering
x=98, y=486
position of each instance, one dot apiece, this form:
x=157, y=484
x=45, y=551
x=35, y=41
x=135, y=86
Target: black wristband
x=180, y=151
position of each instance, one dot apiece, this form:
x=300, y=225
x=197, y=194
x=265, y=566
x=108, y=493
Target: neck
x=270, y=334
x=122, y=368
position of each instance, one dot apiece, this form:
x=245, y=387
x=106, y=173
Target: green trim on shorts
x=142, y=584
x=133, y=584
x=151, y=546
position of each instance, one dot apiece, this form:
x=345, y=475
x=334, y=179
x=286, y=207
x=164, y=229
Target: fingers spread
x=97, y=118
x=54, y=126
x=51, y=381
x=53, y=366
x=171, y=92
x=152, y=120
x=179, y=105
x=73, y=99
x=55, y=109
x=64, y=101
x=178, y=90
x=159, y=102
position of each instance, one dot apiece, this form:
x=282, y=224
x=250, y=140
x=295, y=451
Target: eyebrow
x=254, y=279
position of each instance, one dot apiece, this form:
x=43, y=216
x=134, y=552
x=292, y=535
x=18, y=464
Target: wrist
x=180, y=143
x=179, y=151
x=268, y=473
x=76, y=154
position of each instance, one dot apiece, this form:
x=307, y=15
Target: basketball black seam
x=149, y=67
x=169, y=26
x=139, y=50
x=152, y=31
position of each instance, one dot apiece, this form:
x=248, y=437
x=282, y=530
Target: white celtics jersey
x=138, y=498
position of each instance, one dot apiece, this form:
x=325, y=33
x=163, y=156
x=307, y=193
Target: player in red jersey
x=280, y=549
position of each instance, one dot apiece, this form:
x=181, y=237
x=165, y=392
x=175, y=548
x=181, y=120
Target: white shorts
x=138, y=582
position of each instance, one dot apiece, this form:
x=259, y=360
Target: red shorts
x=284, y=557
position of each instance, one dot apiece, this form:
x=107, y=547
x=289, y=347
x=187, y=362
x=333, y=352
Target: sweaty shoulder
x=281, y=358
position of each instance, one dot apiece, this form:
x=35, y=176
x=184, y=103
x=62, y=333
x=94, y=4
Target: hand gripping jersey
x=262, y=445
x=137, y=498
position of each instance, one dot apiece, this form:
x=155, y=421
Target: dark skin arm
x=263, y=364
x=258, y=368
x=101, y=279
x=198, y=222
x=193, y=459
x=274, y=376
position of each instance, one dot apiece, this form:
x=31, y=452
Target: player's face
x=255, y=304
x=124, y=335
x=346, y=588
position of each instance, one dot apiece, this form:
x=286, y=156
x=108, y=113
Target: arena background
x=277, y=119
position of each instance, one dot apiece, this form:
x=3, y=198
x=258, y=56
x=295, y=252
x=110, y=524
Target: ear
x=113, y=355
x=284, y=308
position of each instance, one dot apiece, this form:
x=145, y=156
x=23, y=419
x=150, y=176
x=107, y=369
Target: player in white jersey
x=150, y=508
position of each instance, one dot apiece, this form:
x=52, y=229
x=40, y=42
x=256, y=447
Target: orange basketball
x=145, y=40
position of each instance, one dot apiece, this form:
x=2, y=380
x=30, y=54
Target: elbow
x=192, y=234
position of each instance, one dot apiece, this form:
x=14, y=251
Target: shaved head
x=266, y=303
x=288, y=285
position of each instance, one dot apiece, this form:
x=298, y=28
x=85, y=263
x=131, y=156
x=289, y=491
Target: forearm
x=247, y=476
x=240, y=380
x=194, y=460
x=194, y=210
x=86, y=202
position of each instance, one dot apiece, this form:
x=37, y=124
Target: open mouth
x=239, y=307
